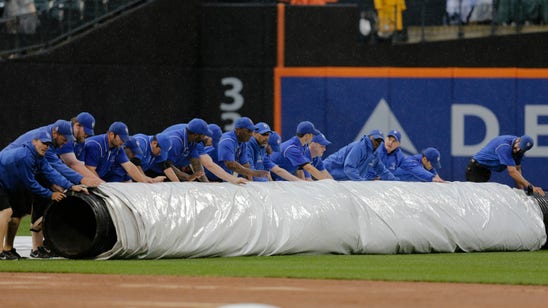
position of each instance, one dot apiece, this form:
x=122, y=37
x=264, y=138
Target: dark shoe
x=49, y=250
x=5, y=255
x=40, y=253
x=13, y=255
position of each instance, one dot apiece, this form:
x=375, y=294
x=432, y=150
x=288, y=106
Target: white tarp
x=174, y=220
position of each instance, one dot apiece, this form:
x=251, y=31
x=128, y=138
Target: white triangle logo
x=382, y=118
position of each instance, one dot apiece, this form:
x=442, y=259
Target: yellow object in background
x=390, y=16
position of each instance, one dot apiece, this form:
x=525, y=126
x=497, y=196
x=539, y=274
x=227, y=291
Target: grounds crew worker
x=19, y=169
x=502, y=152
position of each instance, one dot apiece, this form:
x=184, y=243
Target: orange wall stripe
x=415, y=72
x=532, y=73
x=277, y=101
x=280, y=64
x=281, y=35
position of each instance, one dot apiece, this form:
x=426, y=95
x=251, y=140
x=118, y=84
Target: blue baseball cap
x=133, y=145
x=274, y=140
x=306, y=127
x=320, y=138
x=262, y=128
x=526, y=143
x=198, y=126
x=165, y=145
x=44, y=137
x=244, y=122
x=64, y=128
x=433, y=156
x=120, y=129
x=396, y=134
x=376, y=134
x=216, y=132
x=87, y=121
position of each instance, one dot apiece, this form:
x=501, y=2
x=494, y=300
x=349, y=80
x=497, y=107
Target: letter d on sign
x=458, y=113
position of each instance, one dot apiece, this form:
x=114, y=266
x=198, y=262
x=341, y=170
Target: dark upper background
x=164, y=63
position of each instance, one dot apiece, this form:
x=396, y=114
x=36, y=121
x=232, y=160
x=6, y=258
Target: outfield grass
x=24, y=226
x=488, y=267
x=494, y=267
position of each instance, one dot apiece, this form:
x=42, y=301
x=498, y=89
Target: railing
x=412, y=21
x=44, y=23
x=431, y=20
x=39, y=24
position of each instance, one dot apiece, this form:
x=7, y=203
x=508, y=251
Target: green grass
x=495, y=267
x=24, y=226
x=488, y=267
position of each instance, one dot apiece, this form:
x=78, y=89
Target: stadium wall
x=170, y=61
x=457, y=110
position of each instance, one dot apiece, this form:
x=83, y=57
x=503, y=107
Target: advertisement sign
x=455, y=110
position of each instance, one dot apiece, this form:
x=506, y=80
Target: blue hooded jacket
x=412, y=170
x=19, y=167
x=52, y=155
x=353, y=161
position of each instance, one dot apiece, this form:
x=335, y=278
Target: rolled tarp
x=191, y=220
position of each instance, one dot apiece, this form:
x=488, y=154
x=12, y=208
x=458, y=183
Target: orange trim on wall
x=277, y=101
x=374, y=72
x=413, y=72
x=281, y=36
x=280, y=58
x=532, y=73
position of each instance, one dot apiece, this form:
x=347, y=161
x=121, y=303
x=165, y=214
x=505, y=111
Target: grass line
x=529, y=268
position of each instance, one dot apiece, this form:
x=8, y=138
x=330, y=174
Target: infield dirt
x=90, y=290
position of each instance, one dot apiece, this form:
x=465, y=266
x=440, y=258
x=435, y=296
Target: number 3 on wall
x=228, y=110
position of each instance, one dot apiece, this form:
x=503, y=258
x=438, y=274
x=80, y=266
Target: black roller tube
x=79, y=226
x=543, y=204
